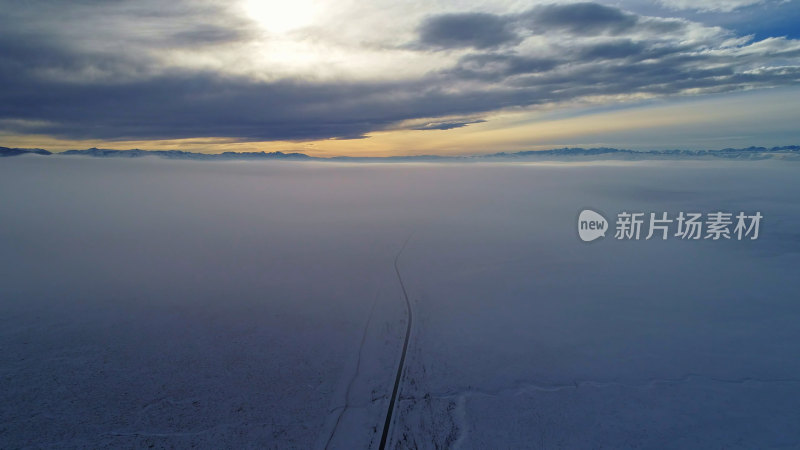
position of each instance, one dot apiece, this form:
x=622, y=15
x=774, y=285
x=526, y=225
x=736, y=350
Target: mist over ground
x=256, y=305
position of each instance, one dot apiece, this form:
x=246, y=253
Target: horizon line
x=576, y=150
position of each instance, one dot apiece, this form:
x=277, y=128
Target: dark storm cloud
x=193, y=104
x=613, y=50
x=581, y=18
x=484, y=30
x=591, y=19
x=62, y=76
x=478, y=30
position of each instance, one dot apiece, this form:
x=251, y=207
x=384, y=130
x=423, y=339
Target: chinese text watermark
x=715, y=226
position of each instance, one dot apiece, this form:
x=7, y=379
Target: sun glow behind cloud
x=277, y=16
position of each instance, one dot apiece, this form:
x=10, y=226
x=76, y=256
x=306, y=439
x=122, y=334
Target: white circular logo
x=591, y=225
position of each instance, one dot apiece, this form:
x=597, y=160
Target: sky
x=390, y=77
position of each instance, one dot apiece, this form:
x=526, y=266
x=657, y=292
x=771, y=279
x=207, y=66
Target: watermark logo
x=636, y=226
x=591, y=225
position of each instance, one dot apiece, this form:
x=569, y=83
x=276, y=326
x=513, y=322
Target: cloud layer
x=120, y=71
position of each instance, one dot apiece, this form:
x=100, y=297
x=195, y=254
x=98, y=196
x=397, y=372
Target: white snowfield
x=179, y=304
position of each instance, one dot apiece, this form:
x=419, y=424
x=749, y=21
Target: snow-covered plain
x=171, y=304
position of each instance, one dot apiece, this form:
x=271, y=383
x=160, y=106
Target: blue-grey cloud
x=484, y=30
x=478, y=30
x=613, y=50
x=446, y=125
x=582, y=18
x=207, y=35
x=496, y=66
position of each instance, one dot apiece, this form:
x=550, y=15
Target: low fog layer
x=233, y=304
